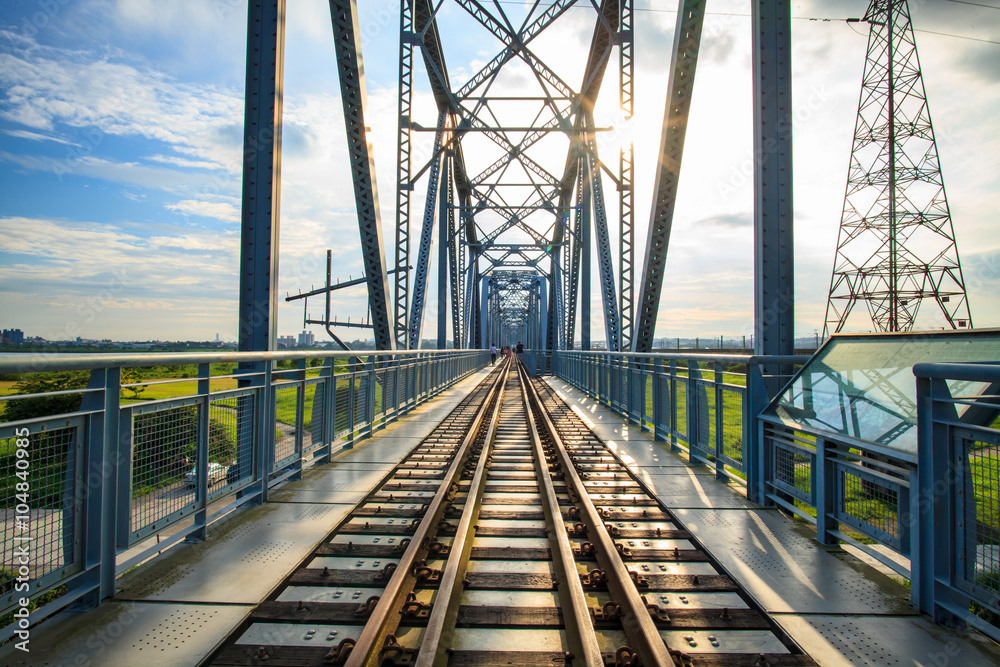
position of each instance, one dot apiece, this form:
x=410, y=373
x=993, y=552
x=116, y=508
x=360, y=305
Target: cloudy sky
x=121, y=126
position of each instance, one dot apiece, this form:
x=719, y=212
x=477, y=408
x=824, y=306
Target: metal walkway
x=177, y=609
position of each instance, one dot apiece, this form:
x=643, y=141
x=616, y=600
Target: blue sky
x=121, y=126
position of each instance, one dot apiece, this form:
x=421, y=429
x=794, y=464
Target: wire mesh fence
x=140, y=435
x=869, y=504
x=164, y=450
x=286, y=406
x=40, y=478
x=982, y=503
x=733, y=440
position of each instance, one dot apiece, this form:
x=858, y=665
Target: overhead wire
x=974, y=4
x=821, y=19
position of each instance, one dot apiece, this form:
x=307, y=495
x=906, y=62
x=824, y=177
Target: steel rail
x=636, y=621
x=386, y=615
x=579, y=624
x=432, y=648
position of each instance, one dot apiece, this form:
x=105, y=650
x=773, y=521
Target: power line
x=974, y=4
x=818, y=19
x=948, y=34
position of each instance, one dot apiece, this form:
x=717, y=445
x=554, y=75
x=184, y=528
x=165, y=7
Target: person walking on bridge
x=520, y=351
x=493, y=354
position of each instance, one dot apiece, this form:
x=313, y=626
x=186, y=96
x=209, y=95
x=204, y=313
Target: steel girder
x=443, y=243
x=494, y=216
x=261, y=176
x=586, y=209
x=573, y=276
x=514, y=305
x=626, y=202
x=453, y=268
x=687, y=41
x=603, y=238
x=426, y=239
x=404, y=186
x=774, y=277
x=347, y=43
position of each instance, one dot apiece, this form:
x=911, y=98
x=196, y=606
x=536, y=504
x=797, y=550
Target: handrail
x=707, y=355
x=987, y=371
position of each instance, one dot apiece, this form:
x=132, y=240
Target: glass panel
x=862, y=385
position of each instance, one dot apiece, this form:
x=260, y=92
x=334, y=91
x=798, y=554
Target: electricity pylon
x=896, y=246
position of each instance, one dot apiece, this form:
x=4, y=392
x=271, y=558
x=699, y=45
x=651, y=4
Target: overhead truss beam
x=684, y=60
x=347, y=43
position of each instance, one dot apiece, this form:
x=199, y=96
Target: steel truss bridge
x=518, y=182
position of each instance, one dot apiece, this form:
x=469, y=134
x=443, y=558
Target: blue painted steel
x=774, y=305
x=258, y=297
x=656, y=377
x=953, y=563
x=127, y=503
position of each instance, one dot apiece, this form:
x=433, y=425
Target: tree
x=46, y=406
x=133, y=376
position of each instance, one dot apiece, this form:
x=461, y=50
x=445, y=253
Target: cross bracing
x=511, y=162
x=518, y=175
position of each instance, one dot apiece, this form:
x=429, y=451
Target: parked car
x=216, y=474
x=233, y=473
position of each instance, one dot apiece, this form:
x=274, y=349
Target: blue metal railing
x=939, y=509
x=85, y=489
x=956, y=514
x=702, y=404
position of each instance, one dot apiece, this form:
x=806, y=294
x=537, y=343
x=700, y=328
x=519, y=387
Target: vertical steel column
x=403, y=164
x=350, y=67
x=260, y=220
x=98, y=504
x=602, y=239
x=543, y=308
x=426, y=240
x=626, y=201
x=261, y=175
x=477, y=323
x=774, y=304
x=453, y=250
x=485, y=323
x=443, y=207
x=583, y=230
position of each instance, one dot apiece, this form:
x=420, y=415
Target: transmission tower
x=896, y=246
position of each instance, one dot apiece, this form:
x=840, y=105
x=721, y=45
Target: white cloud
x=35, y=136
x=184, y=162
x=70, y=275
x=221, y=210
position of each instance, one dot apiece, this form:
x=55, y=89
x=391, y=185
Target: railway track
x=510, y=536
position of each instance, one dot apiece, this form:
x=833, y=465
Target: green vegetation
x=732, y=411
x=7, y=584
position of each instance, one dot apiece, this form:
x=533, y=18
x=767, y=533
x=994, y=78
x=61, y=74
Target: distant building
x=306, y=338
x=286, y=341
x=13, y=336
